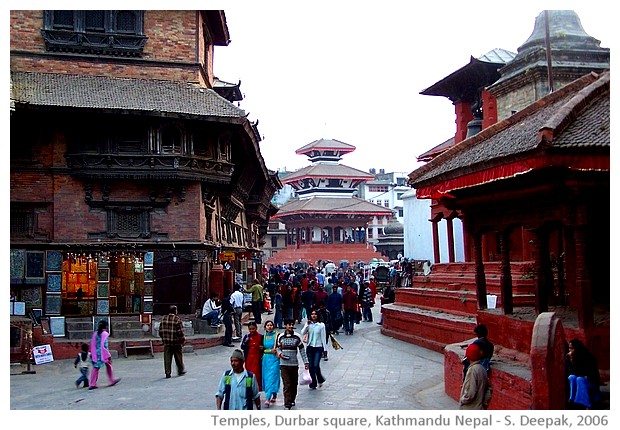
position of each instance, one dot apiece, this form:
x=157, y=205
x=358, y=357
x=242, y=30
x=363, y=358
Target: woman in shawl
x=252, y=346
x=271, y=364
x=101, y=355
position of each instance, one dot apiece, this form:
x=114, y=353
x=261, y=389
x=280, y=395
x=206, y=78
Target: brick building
x=131, y=170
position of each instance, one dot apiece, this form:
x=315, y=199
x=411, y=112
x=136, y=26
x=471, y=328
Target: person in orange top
x=252, y=346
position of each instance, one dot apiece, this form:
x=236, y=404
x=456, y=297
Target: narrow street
x=371, y=372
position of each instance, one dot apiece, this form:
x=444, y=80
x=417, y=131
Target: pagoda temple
x=326, y=220
x=531, y=188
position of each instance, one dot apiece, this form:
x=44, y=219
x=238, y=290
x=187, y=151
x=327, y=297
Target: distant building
x=326, y=211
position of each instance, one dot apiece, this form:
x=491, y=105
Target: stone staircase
x=441, y=308
x=79, y=328
x=128, y=327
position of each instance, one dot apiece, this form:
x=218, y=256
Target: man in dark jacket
x=387, y=298
x=173, y=338
x=334, y=306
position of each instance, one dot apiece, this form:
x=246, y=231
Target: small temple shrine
x=528, y=175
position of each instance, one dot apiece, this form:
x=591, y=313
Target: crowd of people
x=325, y=303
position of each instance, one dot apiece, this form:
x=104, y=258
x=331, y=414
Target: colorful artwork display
x=35, y=268
x=18, y=264
x=53, y=261
x=54, y=282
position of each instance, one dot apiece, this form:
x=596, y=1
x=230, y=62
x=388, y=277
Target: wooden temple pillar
x=506, y=275
x=450, y=236
x=543, y=282
x=581, y=288
x=436, y=250
x=481, y=281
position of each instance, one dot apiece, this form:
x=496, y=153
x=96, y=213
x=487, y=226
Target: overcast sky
x=330, y=70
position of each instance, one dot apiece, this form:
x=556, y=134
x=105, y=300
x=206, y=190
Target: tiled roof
x=498, y=56
x=102, y=92
x=322, y=144
x=333, y=205
x=575, y=115
x=433, y=152
x=325, y=170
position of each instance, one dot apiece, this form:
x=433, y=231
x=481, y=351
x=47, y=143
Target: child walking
x=83, y=358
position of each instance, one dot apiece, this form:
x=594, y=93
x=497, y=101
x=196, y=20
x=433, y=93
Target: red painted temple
x=532, y=190
x=326, y=221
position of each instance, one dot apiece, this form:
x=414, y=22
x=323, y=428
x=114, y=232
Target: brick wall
x=172, y=38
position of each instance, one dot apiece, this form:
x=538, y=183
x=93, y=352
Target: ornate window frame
x=111, y=32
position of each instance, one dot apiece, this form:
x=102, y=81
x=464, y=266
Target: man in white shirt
x=236, y=299
x=211, y=310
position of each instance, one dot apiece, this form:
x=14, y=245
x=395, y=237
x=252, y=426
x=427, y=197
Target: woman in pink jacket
x=101, y=355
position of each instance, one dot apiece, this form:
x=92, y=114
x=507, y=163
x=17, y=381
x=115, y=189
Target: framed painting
x=147, y=305
x=35, y=316
x=103, y=274
x=32, y=295
x=53, y=261
x=103, y=307
x=54, y=282
x=18, y=264
x=52, y=304
x=103, y=290
x=19, y=308
x=148, y=259
x=35, y=269
x=148, y=288
x=148, y=275
x=57, y=326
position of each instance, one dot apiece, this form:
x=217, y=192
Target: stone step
x=430, y=329
x=126, y=325
x=457, y=301
x=205, y=328
x=127, y=333
x=78, y=334
x=78, y=325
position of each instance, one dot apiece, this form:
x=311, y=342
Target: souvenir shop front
x=82, y=283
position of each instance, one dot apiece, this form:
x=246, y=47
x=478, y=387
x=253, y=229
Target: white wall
x=418, y=231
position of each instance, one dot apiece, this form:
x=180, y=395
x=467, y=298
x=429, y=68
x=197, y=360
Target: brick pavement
x=372, y=372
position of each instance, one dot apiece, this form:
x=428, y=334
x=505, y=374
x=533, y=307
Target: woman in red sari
x=252, y=346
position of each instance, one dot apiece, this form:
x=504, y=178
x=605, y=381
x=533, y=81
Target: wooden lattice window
x=129, y=222
x=22, y=222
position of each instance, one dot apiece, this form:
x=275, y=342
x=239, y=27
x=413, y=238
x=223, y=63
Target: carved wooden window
x=99, y=32
x=126, y=21
x=94, y=21
x=22, y=222
x=224, y=146
x=274, y=241
x=202, y=143
x=171, y=140
x=131, y=140
x=129, y=222
x=62, y=19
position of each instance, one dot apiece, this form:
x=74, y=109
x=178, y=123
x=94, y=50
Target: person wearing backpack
x=238, y=389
